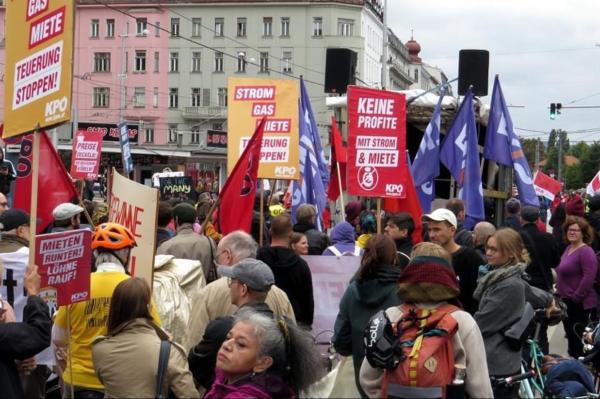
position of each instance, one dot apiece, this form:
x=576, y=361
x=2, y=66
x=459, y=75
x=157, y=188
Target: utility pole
x=537, y=155
x=560, y=156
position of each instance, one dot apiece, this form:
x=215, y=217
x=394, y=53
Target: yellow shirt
x=89, y=320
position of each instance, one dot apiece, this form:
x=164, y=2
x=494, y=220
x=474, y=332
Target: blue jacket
x=569, y=378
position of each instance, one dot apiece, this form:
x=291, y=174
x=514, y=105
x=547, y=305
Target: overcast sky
x=544, y=51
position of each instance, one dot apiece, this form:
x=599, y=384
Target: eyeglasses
x=573, y=230
x=4, y=204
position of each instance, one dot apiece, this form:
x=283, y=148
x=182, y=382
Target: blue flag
x=503, y=146
x=314, y=174
x=460, y=154
x=426, y=166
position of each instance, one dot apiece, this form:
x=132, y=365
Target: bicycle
x=533, y=382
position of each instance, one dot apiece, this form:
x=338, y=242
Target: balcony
x=212, y=112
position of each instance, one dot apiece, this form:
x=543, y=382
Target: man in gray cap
x=249, y=283
x=513, y=212
x=67, y=216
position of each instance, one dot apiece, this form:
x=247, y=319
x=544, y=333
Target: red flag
x=54, y=184
x=339, y=157
x=545, y=185
x=237, y=196
x=409, y=204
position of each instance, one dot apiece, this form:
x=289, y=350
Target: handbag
x=163, y=361
x=516, y=334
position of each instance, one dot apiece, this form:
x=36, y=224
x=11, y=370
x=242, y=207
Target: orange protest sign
x=249, y=101
x=39, y=52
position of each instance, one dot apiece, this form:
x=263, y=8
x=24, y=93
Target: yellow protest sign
x=249, y=100
x=39, y=52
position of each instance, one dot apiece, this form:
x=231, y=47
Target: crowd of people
x=451, y=306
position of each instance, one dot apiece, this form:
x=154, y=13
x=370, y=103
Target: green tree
x=579, y=150
x=529, y=148
x=573, y=177
x=590, y=164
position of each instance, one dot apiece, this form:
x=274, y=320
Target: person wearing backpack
x=447, y=343
x=373, y=288
x=502, y=294
x=343, y=238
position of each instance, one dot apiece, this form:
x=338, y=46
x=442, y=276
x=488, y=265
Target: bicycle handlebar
x=513, y=379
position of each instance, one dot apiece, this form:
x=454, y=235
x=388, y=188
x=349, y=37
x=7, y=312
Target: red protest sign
x=64, y=261
x=87, y=151
x=376, y=143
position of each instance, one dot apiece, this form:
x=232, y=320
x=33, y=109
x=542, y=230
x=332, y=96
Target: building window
x=149, y=135
x=264, y=62
x=196, y=61
x=101, y=97
x=206, y=97
x=126, y=61
x=318, y=26
x=174, y=26
x=217, y=126
x=110, y=28
x=174, y=62
x=241, y=27
x=156, y=61
x=140, y=61
x=219, y=27
x=267, y=27
x=196, y=96
x=101, y=62
x=95, y=28
x=222, y=96
x=241, y=61
x=141, y=26
x=173, y=97
x=157, y=29
x=345, y=27
x=196, y=27
x=155, y=97
x=287, y=61
x=218, y=61
x=285, y=26
x=195, y=139
x=172, y=133
x=416, y=75
x=139, y=97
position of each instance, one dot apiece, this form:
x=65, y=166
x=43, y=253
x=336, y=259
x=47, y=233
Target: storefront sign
x=64, y=261
x=180, y=187
x=216, y=139
x=110, y=132
x=135, y=206
x=377, y=165
x=249, y=101
x=39, y=52
x=87, y=149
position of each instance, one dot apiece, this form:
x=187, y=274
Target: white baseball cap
x=441, y=215
x=66, y=210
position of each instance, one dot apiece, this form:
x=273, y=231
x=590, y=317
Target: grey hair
x=241, y=245
x=110, y=257
x=298, y=359
x=486, y=229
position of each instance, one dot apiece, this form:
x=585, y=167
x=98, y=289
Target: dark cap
x=513, y=205
x=13, y=218
x=530, y=213
x=256, y=274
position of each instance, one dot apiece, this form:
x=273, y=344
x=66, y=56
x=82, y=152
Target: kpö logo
x=79, y=296
x=58, y=105
x=394, y=189
x=285, y=170
x=367, y=177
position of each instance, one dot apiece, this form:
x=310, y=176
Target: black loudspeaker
x=473, y=67
x=340, y=67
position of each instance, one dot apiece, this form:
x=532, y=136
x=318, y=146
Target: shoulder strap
x=356, y=250
x=163, y=361
x=334, y=250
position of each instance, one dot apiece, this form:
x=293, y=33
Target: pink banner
x=64, y=261
x=86, y=155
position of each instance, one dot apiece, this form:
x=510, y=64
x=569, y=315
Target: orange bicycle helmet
x=112, y=236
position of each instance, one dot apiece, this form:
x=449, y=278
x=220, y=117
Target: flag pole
x=339, y=176
x=378, y=215
x=35, y=160
x=209, y=215
x=262, y=216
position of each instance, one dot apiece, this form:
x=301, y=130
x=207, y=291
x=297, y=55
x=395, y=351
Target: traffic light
x=553, y=111
x=558, y=107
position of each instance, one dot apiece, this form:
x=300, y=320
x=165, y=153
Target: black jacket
x=463, y=237
x=544, y=251
x=466, y=262
x=593, y=219
x=294, y=277
x=317, y=241
x=20, y=341
x=203, y=357
x=404, y=247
